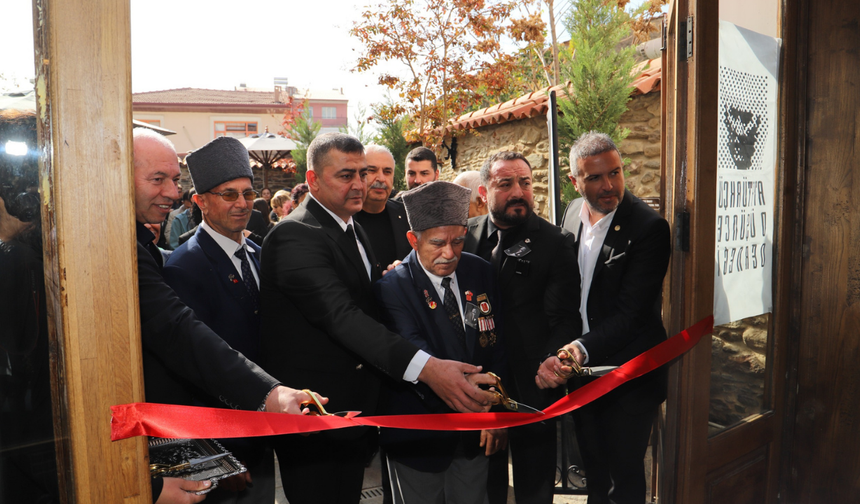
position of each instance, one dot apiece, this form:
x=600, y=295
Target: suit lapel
x=346, y=243
x=444, y=330
x=616, y=235
x=375, y=273
x=225, y=270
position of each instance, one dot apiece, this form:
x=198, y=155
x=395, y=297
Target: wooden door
x=714, y=450
x=822, y=440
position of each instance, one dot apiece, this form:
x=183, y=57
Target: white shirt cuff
x=583, y=350
x=416, y=365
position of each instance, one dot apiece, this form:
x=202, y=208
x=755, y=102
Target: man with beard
x=539, y=281
x=216, y=273
x=421, y=167
x=383, y=219
x=624, y=248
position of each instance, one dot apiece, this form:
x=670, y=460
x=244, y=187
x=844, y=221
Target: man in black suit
x=383, y=219
x=624, y=249
x=317, y=271
x=179, y=351
x=539, y=281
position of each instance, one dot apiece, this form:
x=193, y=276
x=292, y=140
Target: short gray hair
x=370, y=149
x=471, y=180
x=590, y=144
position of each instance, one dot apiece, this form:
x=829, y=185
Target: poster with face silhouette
x=746, y=162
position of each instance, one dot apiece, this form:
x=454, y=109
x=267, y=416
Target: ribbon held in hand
x=172, y=421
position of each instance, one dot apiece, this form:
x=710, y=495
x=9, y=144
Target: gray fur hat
x=219, y=161
x=435, y=204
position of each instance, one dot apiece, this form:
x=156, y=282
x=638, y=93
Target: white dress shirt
x=436, y=280
x=230, y=246
x=343, y=225
x=590, y=243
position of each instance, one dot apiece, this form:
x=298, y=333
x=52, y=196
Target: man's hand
x=288, y=400
x=494, y=440
x=448, y=380
x=181, y=491
x=553, y=372
x=391, y=266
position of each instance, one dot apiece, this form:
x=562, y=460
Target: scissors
x=565, y=357
x=321, y=410
x=156, y=469
x=500, y=396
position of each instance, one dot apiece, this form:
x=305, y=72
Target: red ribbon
x=172, y=421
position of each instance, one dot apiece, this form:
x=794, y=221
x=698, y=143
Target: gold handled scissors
x=315, y=402
x=566, y=358
x=156, y=469
x=500, y=396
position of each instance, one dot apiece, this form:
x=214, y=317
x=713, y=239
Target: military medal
x=429, y=300
x=486, y=323
x=483, y=340
x=469, y=295
x=483, y=304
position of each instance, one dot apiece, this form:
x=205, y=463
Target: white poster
x=746, y=161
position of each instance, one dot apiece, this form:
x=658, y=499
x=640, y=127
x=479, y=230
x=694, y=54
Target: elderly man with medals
x=444, y=301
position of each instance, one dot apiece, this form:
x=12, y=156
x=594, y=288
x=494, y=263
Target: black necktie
x=453, y=311
x=498, y=254
x=248, y=277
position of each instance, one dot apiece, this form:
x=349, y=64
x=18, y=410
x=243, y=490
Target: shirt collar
x=337, y=219
x=227, y=245
x=585, y=217
x=436, y=280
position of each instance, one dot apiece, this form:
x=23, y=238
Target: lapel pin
x=618, y=228
x=469, y=295
x=232, y=278
x=528, y=241
x=429, y=300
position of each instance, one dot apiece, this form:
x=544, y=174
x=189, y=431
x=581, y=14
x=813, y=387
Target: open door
x=722, y=131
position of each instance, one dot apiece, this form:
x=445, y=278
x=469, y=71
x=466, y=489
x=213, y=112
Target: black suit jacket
x=540, y=296
x=180, y=352
x=400, y=225
x=624, y=302
x=205, y=278
x=312, y=276
x=403, y=297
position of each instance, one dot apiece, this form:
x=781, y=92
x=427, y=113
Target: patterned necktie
x=453, y=311
x=248, y=277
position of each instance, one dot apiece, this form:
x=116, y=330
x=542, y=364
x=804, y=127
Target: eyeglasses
x=250, y=195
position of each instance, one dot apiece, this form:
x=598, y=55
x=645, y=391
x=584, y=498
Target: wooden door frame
x=693, y=171
x=83, y=86
x=686, y=436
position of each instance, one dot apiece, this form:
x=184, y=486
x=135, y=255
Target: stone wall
x=530, y=136
x=738, y=358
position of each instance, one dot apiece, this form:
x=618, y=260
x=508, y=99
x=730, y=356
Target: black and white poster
x=746, y=162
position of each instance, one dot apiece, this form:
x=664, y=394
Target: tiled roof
x=537, y=102
x=196, y=96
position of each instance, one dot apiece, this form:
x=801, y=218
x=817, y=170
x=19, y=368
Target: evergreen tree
x=303, y=131
x=600, y=76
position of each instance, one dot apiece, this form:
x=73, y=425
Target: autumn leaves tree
x=449, y=55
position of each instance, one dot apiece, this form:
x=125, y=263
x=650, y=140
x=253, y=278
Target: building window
x=310, y=112
x=152, y=122
x=235, y=129
x=329, y=113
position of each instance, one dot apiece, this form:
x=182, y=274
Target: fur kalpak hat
x=219, y=161
x=437, y=204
